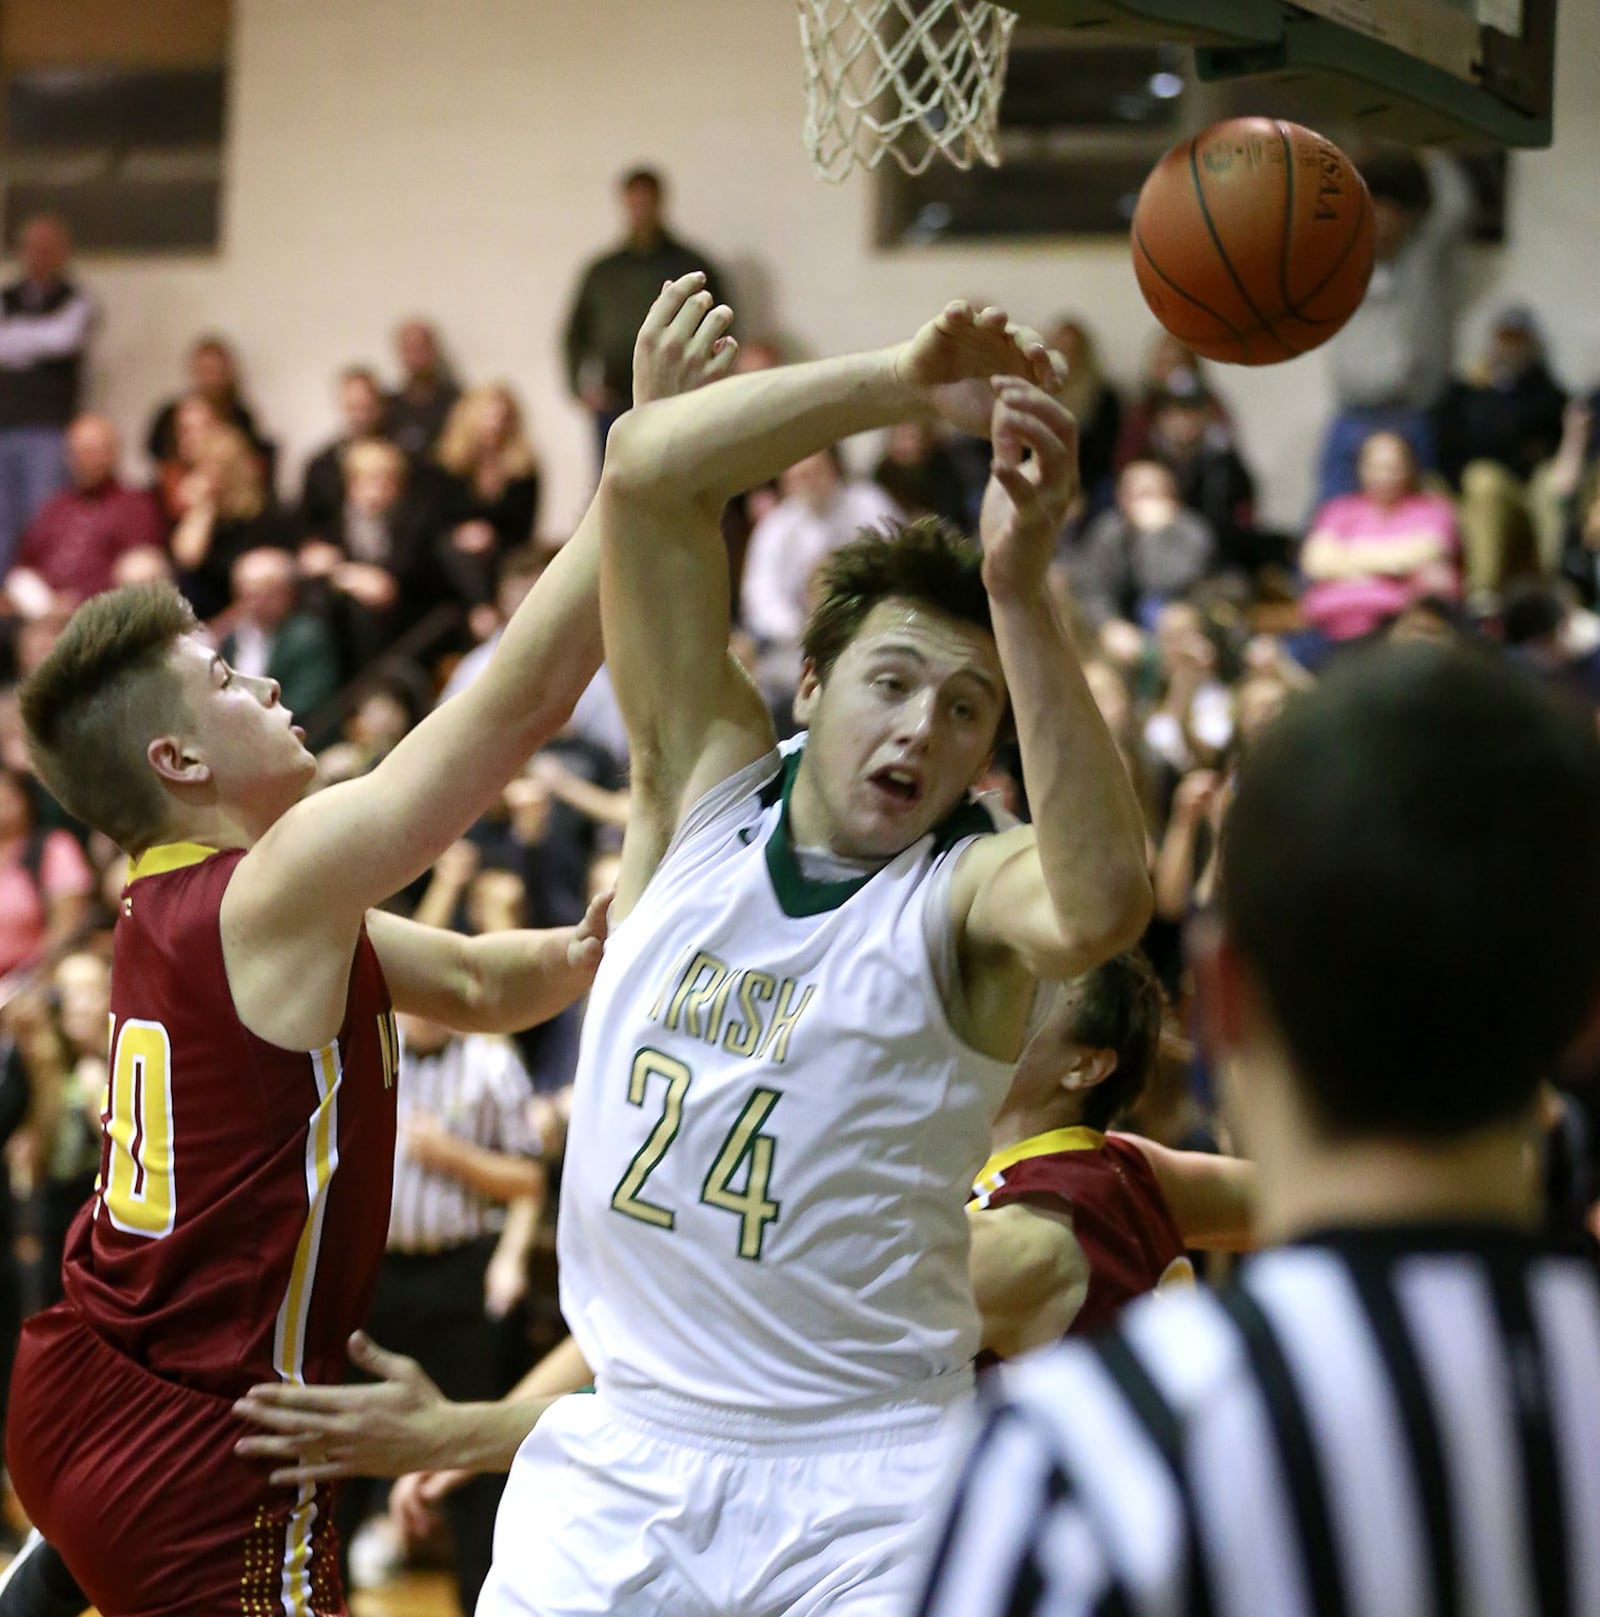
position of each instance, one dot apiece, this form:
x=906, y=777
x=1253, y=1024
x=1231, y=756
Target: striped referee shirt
x=477, y=1087
x=1369, y=1424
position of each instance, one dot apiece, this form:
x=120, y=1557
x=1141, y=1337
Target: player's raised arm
x=693, y=717
x=341, y=851
x=1068, y=891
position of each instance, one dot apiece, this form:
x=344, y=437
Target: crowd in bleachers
x=372, y=582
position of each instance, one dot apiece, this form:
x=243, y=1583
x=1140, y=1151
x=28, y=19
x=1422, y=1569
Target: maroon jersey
x=243, y=1200
x=1119, y=1215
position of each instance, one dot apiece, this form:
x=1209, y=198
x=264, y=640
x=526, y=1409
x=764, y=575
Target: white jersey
x=775, y=1125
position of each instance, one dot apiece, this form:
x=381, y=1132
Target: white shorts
x=656, y=1505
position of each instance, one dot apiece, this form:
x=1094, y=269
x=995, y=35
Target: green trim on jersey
x=798, y=896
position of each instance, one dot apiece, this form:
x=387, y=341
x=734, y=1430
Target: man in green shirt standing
x=615, y=294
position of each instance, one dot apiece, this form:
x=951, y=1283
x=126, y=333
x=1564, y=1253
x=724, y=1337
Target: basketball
x=1253, y=241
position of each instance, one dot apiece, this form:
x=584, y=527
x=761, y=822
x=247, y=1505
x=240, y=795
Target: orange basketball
x=1253, y=241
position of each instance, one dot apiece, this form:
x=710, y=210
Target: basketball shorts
x=134, y=1480
x=648, y=1503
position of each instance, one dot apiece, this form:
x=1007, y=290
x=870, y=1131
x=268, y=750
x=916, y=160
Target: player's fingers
x=724, y=352
x=436, y=1485
x=1025, y=397
x=291, y=1398
x=956, y=314
x=299, y=1421
x=295, y=1446
x=715, y=324
x=1046, y=441
x=409, y=1510
x=683, y=325
x=323, y=1471
x=367, y=1355
x=1016, y=482
x=669, y=301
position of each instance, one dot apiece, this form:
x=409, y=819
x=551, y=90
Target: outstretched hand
x=588, y=941
x=954, y=359
x=375, y=1429
x=1033, y=480
x=683, y=343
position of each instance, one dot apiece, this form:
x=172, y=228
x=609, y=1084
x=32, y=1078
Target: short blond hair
x=99, y=698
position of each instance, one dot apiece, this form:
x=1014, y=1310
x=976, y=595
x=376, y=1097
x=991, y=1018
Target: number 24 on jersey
x=744, y=1147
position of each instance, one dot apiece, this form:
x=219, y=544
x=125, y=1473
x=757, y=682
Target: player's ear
x=172, y=761
x=807, y=692
x=1087, y=1068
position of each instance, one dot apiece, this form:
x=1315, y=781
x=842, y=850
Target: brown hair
x=927, y=561
x=92, y=706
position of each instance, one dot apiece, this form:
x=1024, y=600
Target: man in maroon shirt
x=71, y=548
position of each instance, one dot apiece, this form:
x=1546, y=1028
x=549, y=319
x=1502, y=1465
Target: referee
x=1396, y=1410
x=456, y=1262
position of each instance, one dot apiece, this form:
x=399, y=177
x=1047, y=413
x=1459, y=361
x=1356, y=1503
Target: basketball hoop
x=911, y=78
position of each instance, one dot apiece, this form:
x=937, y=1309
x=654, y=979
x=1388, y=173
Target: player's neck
x=212, y=827
x=1027, y=1122
x=1489, y=1177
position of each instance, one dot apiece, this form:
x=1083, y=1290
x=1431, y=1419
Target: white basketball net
x=912, y=78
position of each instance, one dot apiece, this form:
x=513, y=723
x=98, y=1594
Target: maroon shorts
x=135, y=1481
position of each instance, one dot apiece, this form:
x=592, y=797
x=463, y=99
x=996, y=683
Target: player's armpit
x=1029, y=1275
x=1213, y=1198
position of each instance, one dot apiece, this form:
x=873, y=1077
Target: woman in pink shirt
x=1369, y=555
x=45, y=880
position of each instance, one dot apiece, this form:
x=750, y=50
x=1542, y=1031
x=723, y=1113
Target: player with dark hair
x=1071, y=1222
x=812, y=1005
x=1397, y=1408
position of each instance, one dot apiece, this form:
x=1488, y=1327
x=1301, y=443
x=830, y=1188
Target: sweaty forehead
x=950, y=644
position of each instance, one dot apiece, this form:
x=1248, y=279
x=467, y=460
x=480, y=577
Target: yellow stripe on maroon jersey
x=322, y=1160
x=167, y=856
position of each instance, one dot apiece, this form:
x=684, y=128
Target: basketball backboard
x=1420, y=70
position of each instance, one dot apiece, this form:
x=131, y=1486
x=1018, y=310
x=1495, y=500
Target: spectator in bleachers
x=1370, y=554
x=918, y=472
x=614, y=295
x=363, y=414
x=268, y=636
x=1147, y=550
x=193, y=422
x=741, y=514
x=67, y=1073
x=373, y=730
x=489, y=492
x=1565, y=494
x=820, y=509
x=225, y=513
x=375, y=563
x=420, y=406
x=1392, y=361
x=1211, y=477
x=1546, y=634
x=1191, y=721
x=1497, y=427
x=72, y=546
x=45, y=323
x=1095, y=405
x=1168, y=364
x=213, y=376
x=45, y=881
